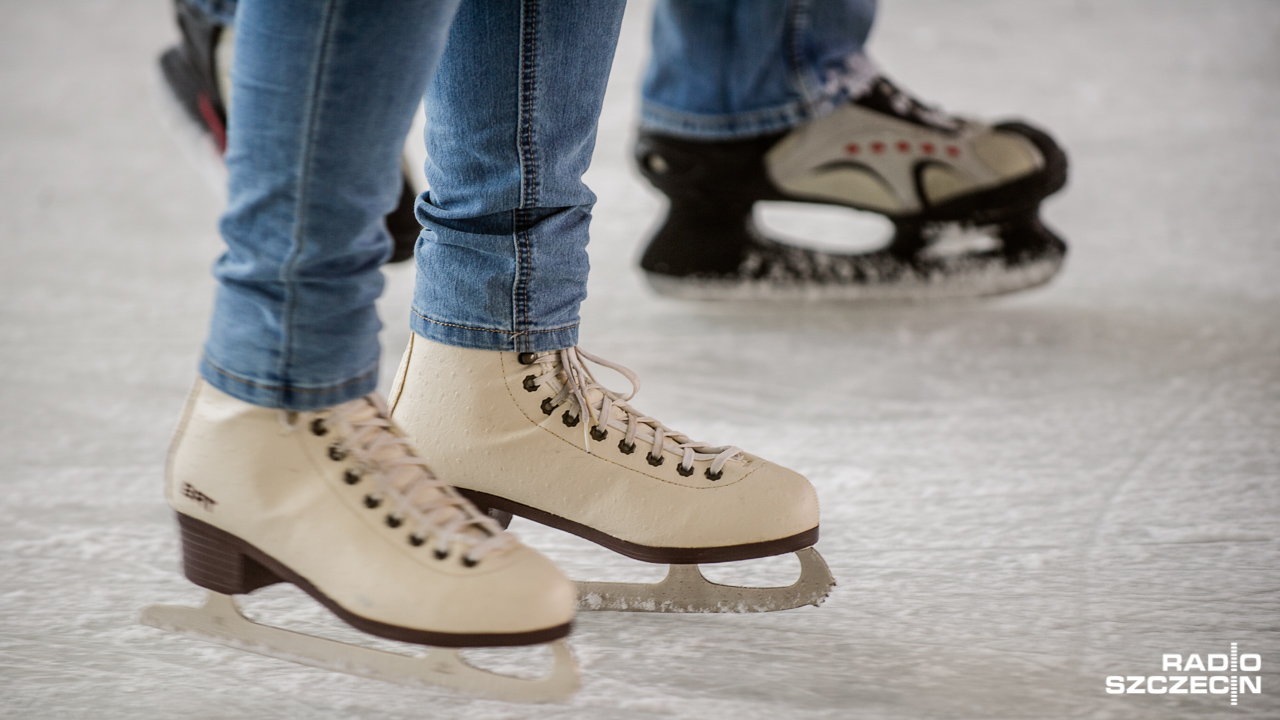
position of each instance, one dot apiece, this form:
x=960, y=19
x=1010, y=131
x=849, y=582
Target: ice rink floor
x=1020, y=496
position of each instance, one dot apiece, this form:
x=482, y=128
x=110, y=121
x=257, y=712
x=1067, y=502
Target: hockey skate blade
x=686, y=590
x=980, y=280
x=221, y=621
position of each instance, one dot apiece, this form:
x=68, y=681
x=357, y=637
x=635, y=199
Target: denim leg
x=511, y=125
x=220, y=12
x=726, y=69
x=324, y=94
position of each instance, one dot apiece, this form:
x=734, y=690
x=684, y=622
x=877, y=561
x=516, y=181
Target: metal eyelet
x=531, y=383
x=468, y=562
x=526, y=358
x=684, y=471
x=654, y=461
x=416, y=541
x=371, y=501
x=336, y=453
x=569, y=420
x=351, y=477
x=598, y=434
x=441, y=554
x=714, y=476
x=624, y=448
x=394, y=522
x=547, y=406
x=318, y=427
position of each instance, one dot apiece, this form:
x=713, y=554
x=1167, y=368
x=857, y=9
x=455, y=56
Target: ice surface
x=1020, y=497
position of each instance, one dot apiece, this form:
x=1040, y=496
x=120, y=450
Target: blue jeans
x=730, y=69
x=323, y=93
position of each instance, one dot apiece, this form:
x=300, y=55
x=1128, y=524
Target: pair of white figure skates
x=345, y=504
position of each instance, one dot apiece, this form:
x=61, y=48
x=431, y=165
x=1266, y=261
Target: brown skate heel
x=212, y=560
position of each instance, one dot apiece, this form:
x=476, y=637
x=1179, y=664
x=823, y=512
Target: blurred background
x=1020, y=496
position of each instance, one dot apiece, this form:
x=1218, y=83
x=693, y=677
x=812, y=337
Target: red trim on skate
x=953, y=151
x=852, y=148
x=877, y=147
x=927, y=148
x=213, y=121
x=903, y=146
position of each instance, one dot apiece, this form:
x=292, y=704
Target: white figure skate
x=534, y=434
x=337, y=503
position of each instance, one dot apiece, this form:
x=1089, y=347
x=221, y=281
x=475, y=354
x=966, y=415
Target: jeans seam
x=282, y=387
x=798, y=20
x=490, y=330
x=300, y=208
x=529, y=166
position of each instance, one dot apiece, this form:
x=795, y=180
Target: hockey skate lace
x=858, y=76
x=431, y=507
x=566, y=372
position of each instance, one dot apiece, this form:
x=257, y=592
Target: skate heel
x=213, y=559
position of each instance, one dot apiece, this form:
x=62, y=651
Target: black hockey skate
x=931, y=174
x=193, y=73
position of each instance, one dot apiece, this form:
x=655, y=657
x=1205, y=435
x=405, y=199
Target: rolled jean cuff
x=288, y=397
x=475, y=338
x=737, y=126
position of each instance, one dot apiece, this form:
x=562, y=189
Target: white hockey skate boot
x=557, y=447
x=963, y=196
x=337, y=503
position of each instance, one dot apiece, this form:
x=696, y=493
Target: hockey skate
x=336, y=503
x=559, y=448
x=963, y=197
x=197, y=73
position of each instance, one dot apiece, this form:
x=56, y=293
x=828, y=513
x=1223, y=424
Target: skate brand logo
x=1183, y=682
x=191, y=493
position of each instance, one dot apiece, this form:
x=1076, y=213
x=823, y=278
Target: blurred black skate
x=197, y=72
x=933, y=175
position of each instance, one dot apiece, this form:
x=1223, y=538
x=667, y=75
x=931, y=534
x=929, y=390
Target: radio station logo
x=1194, y=674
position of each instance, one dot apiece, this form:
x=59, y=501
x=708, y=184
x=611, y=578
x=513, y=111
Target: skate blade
x=987, y=282
x=220, y=621
x=686, y=590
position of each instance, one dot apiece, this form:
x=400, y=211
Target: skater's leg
x=284, y=468
x=197, y=72
x=222, y=12
x=503, y=262
x=492, y=389
x=324, y=94
x=723, y=69
x=746, y=102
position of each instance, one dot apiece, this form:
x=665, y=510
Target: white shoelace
x=565, y=372
x=859, y=74
x=432, y=508
x=854, y=78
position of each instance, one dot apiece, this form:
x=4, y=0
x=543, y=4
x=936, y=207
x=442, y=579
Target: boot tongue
x=360, y=410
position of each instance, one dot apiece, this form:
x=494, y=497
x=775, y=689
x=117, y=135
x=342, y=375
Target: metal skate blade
x=220, y=621
x=685, y=590
x=977, y=280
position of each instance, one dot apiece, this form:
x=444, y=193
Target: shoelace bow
x=566, y=372
x=434, y=508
